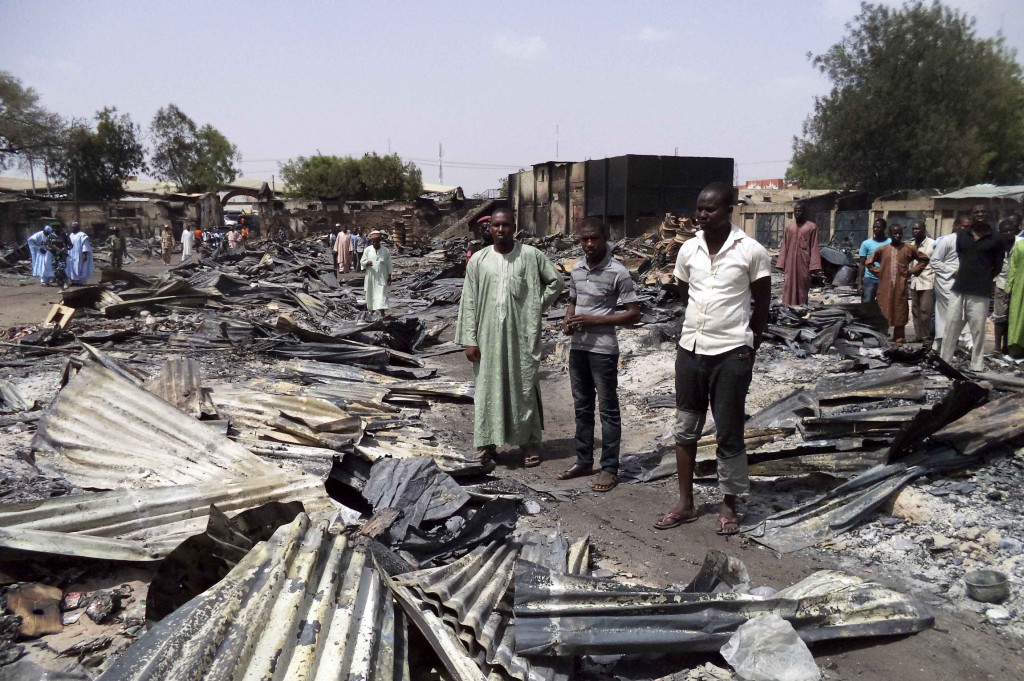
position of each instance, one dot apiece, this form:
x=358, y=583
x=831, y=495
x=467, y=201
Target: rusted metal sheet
x=998, y=422
x=558, y=614
x=305, y=604
x=896, y=382
x=144, y=525
x=105, y=432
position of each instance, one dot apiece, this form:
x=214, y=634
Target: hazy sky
x=489, y=81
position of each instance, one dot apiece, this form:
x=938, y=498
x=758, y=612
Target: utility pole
x=440, y=164
x=676, y=152
x=74, y=193
x=32, y=174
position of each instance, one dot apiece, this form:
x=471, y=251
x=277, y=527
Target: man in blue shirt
x=867, y=282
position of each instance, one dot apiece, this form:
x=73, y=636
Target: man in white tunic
x=80, y=256
x=42, y=258
x=944, y=263
x=188, y=239
x=376, y=260
x=507, y=288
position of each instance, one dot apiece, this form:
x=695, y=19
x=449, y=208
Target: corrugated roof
x=986, y=191
x=143, y=525
x=104, y=432
x=305, y=604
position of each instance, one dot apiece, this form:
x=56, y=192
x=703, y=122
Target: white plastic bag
x=768, y=649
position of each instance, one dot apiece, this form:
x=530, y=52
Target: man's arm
x=631, y=315
x=684, y=291
x=570, y=312
x=761, y=298
x=872, y=262
x=465, y=330
x=551, y=280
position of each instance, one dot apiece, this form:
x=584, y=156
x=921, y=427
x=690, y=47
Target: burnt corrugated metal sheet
x=104, y=432
x=999, y=421
x=304, y=605
x=142, y=525
x=558, y=614
x=899, y=382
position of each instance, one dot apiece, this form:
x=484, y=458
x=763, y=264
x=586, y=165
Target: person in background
x=922, y=284
x=799, y=256
x=724, y=279
x=867, y=282
x=360, y=247
x=58, y=244
x=42, y=258
x=598, y=283
x=80, y=256
x=980, y=252
x=234, y=238
x=893, y=264
x=332, y=238
x=944, y=263
x=166, y=243
x=187, y=242
x=1015, y=298
x=342, y=252
x=117, y=247
x=376, y=260
x=507, y=288
x=1000, y=302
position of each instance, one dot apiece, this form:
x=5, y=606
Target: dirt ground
x=962, y=645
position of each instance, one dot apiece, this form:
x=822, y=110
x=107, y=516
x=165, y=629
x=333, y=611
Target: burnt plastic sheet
x=834, y=512
x=557, y=614
x=494, y=521
x=896, y=382
x=418, y=488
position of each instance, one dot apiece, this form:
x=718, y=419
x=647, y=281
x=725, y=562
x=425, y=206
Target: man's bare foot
x=679, y=515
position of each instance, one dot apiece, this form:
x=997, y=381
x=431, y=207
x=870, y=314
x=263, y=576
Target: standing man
x=376, y=260
x=891, y=263
x=166, y=244
x=342, y=251
x=922, y=284
x=58, y=244
x=1015, y=299
x=724, y=279
x=80, y=256
x=597, y=285
x=42, y=258
x=354, y=239
x=799, y=255
x=944, y=264
x=188, y=239
x=360, y=248
x=117, y=247
x=867, y=282
x=1000, y=303
x=981, y=252
x=333, y=237
x=507, y=288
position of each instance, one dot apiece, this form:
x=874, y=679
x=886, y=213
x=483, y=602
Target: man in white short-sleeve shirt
x=725, y=281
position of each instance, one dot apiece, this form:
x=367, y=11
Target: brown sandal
x=605, y=482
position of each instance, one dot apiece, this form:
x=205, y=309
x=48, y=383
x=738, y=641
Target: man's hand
x=567, y=328
x=389, y=281
x=473, y=353
x=758, y=339
x=369, y=263
x=581, y=321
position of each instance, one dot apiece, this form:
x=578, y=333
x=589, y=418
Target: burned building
x=631, y=193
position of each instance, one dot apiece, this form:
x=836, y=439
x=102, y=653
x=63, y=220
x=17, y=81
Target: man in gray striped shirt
x=598, y=284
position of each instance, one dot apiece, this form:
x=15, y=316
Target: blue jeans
x=592, y=373
x=868, y=290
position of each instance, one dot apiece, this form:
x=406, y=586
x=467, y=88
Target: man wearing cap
x=376, y=260
x=80, y=256
x=188, y=239
x=342, y=251
x=360, y=246
x=507, y=288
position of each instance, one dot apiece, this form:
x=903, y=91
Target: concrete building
x=938, y=210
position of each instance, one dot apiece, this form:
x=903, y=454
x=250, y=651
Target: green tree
x=918, y=100
x=98, y=161
x=28, y=131
x=197, y=159
x=371, y=178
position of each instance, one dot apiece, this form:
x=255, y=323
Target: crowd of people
x=941, y=285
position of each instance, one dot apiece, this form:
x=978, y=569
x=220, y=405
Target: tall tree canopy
x=197, y=159
x=918, y=100
x=27, y=130
x=98, y=161
x=370, y=178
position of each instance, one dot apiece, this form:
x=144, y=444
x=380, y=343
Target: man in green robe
x=507, y=288
x=376, y=262
x=1015, y=300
